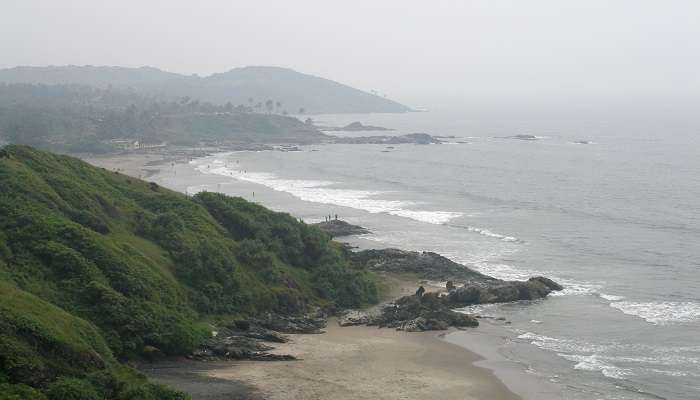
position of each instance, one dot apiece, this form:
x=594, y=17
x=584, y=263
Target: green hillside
x=97, y=267
x=286, y=89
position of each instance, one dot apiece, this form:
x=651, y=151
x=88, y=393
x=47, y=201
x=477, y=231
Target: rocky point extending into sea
x=252, y=339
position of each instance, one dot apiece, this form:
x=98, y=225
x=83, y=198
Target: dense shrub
x=123, y=266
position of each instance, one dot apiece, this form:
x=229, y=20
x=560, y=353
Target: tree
x=269, y=105
x=258, y=106
x=302, y=110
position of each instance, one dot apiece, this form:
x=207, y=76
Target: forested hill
x=97, y=267
x=79, y=118
x=265, y=88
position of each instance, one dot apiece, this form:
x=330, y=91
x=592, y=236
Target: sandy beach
x=368, y=363
x=344, y=363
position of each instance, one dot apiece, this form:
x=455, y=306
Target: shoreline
x=384, y=352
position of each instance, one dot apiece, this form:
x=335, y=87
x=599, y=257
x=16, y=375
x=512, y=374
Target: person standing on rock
x=420, y=291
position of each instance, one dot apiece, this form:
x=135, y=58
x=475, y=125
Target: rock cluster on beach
x=435, y=311
x=427, y=312
x=251, y=339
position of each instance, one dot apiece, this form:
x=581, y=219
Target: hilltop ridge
x=290, y=91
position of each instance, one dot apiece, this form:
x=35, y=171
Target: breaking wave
x=661, y=313
x=324, y=192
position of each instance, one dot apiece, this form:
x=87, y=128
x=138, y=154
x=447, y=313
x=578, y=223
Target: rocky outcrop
x=415, y=138
x=501, y=291
x=426, y=265
x=337, y=228
x=422, y=313
x=251, y=339
x=435, y=311
x=521, y=137
x=358, y=317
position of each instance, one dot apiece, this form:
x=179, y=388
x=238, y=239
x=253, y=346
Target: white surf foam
x=486, y=232
x=617, y=360
x=432, y=217
x=610, y=297
x=324, y=192
x=594, y=363
x=661, y=313
x=586, y=356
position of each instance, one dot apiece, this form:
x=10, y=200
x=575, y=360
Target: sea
x=605, y=201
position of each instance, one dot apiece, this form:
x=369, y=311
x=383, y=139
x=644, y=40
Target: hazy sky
x=467, y=51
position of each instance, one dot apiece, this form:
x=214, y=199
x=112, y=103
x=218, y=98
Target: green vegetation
x=74, y=118
x=97, y=267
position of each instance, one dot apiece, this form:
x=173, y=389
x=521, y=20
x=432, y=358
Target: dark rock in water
x=583, y=142
x=337, y=228
x=502, y=291
x=547, y=282
x=426, y=265
x=521, y=137
x=478, y=288
x=415, y=138
x=434, y=311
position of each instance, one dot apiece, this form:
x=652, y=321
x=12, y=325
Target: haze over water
x=615, y=220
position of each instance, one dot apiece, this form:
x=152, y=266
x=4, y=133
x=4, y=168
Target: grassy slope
x=96, y=266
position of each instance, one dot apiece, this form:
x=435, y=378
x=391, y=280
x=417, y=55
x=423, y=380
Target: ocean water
x=617, y=221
